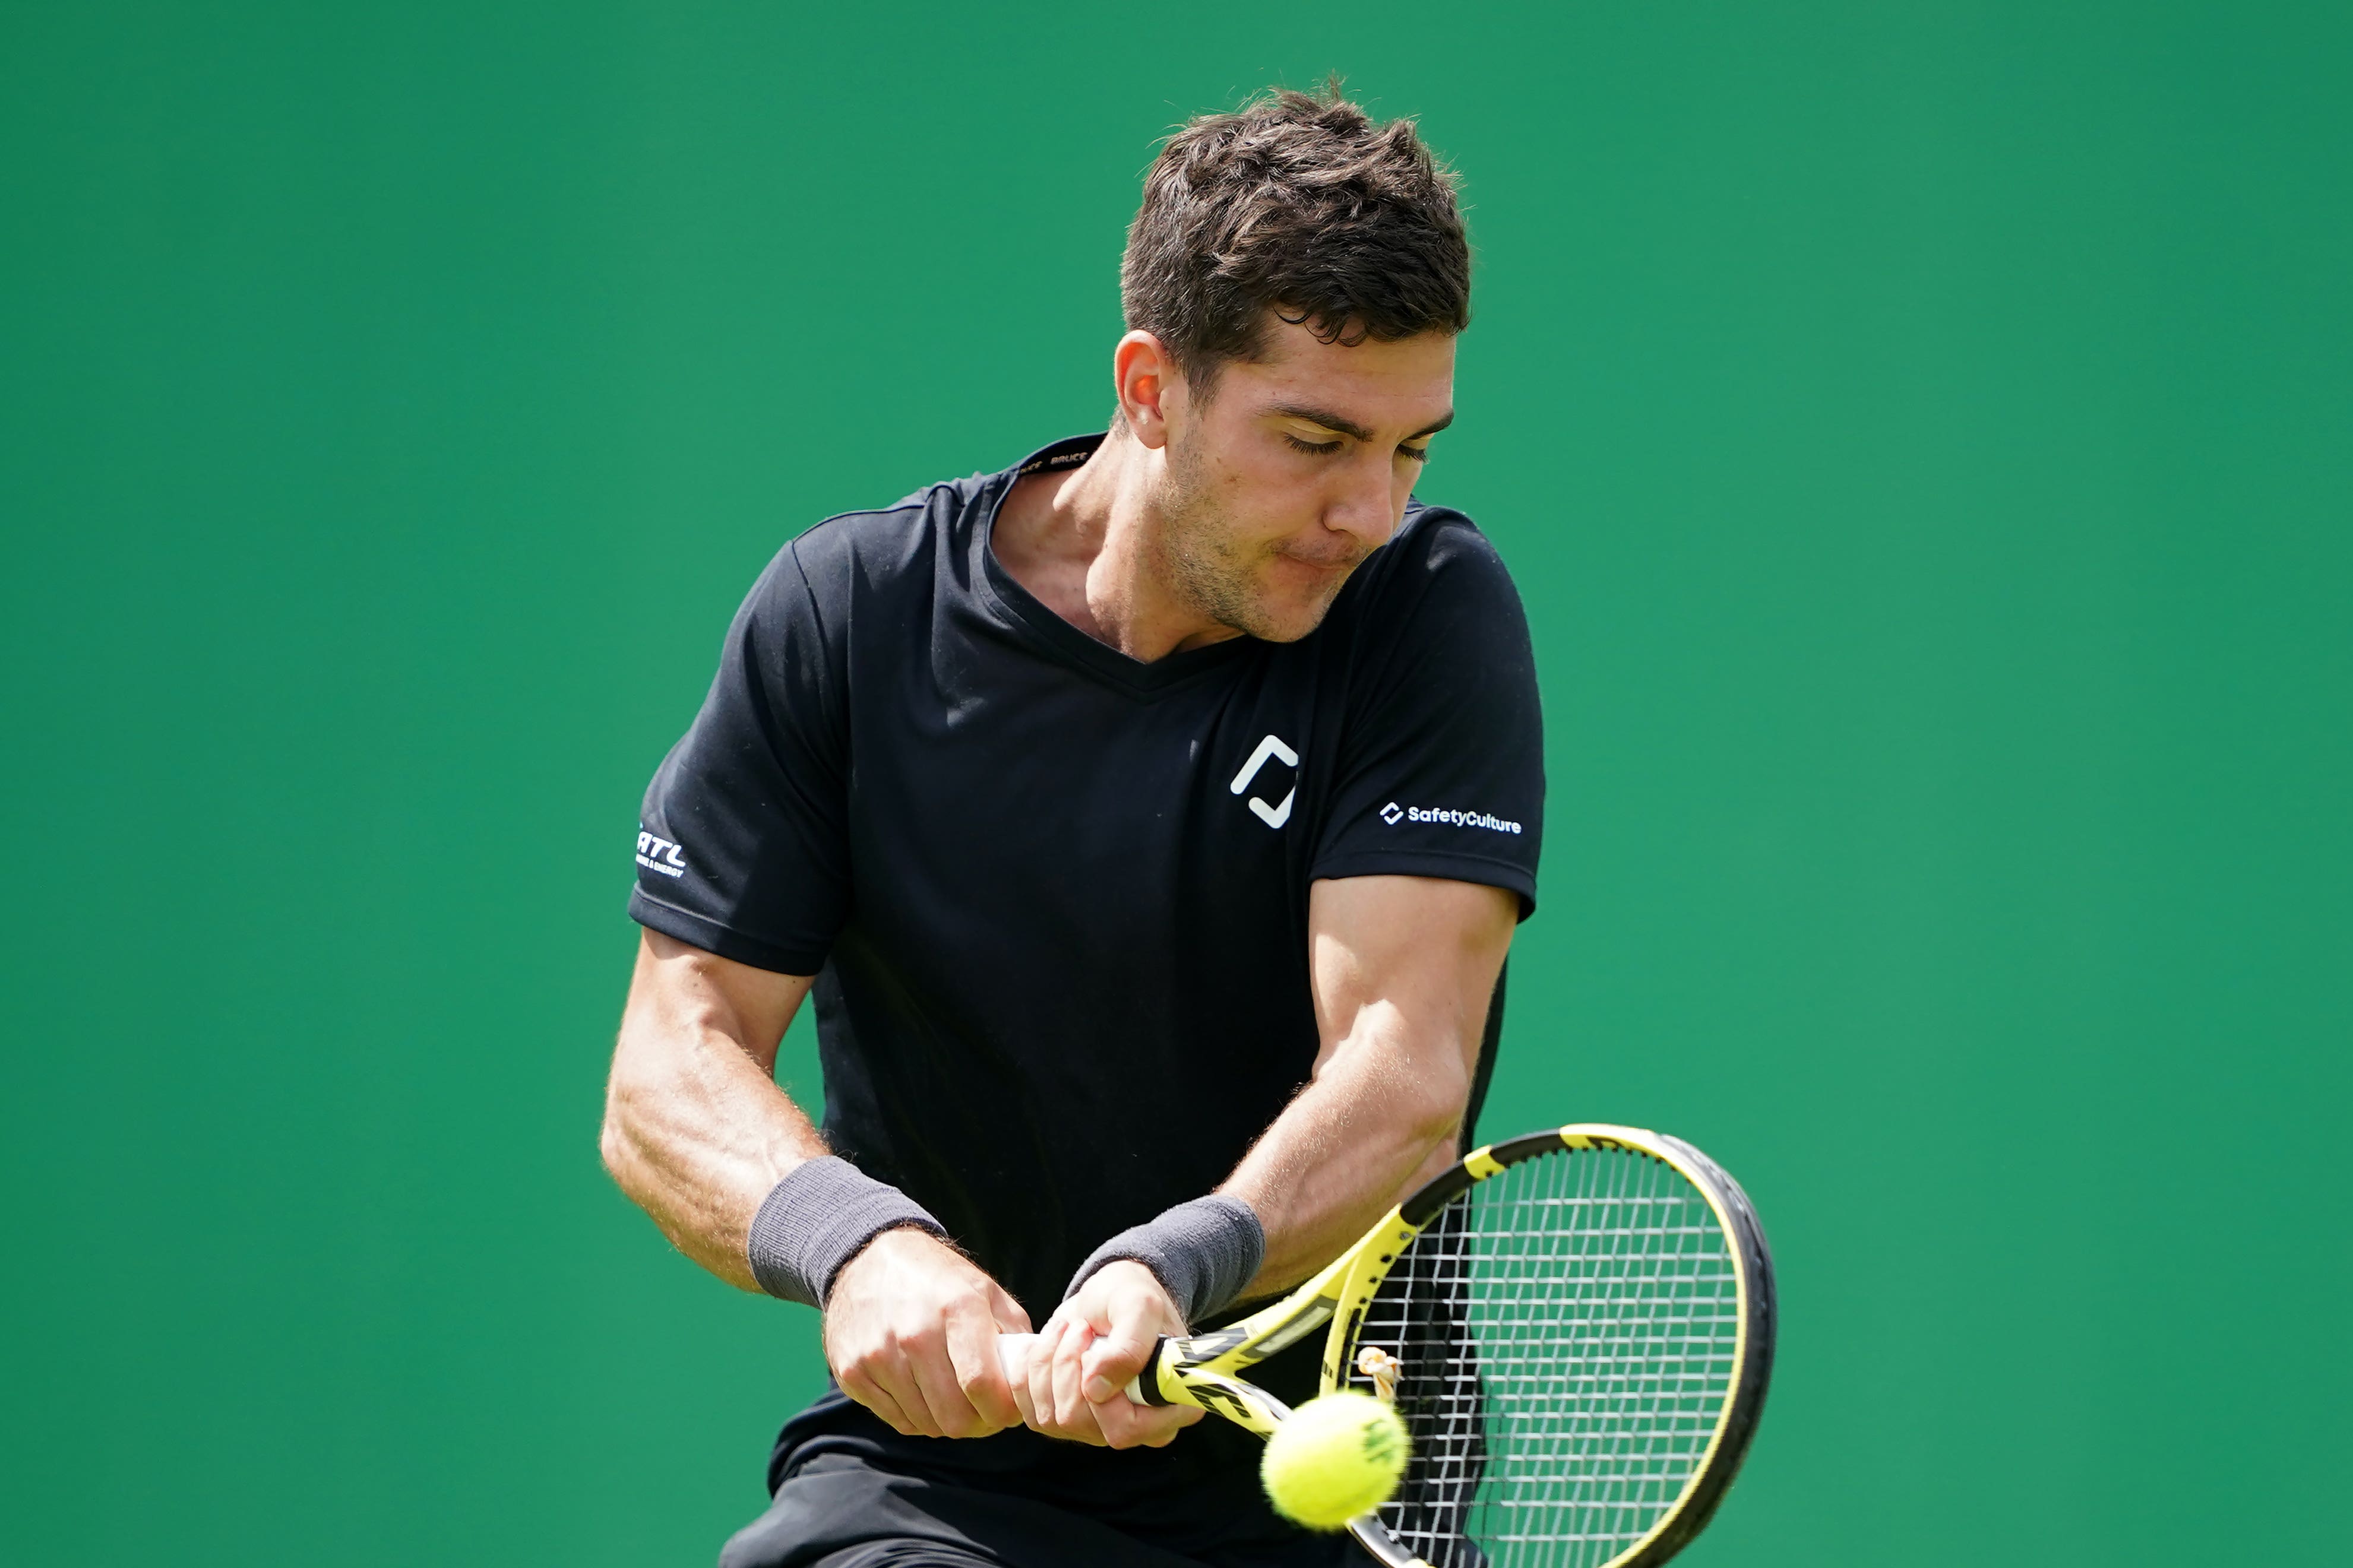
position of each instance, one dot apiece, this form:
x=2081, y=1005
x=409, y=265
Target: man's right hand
x=910, y=1331
x=1093, y=1346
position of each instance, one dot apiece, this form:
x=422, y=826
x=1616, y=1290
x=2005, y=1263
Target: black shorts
x=840, y=1512
x=850, y=1493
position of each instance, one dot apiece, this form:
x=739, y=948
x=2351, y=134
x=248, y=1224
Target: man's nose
x=1365, y=506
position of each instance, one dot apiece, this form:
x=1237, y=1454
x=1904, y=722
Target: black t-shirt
x=1056, y=899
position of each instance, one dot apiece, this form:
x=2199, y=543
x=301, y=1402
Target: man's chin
x=1289, y=622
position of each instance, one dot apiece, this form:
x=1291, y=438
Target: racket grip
x=1013, y=1356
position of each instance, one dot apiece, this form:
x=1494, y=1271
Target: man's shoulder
x=878, y=542
x=1436, y=549
x=1443, y=535
x=876, y=548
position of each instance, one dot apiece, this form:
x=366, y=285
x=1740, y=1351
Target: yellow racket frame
x=1206, y=1370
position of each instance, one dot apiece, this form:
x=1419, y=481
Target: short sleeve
x=1440, y=769
x=741, y=842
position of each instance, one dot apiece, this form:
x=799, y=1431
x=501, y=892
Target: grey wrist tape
x=1204, y=1251
x=815, y=1219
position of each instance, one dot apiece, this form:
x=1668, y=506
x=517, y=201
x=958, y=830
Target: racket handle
x=1013, y=1356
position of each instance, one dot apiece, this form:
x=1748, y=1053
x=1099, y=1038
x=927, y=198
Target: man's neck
x=1084, y=543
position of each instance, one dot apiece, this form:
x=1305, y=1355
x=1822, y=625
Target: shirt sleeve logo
x=1271, y=749
x=660, y=855
x=1448, y=816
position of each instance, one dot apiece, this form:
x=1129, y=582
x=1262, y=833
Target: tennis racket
x=1576, y=1329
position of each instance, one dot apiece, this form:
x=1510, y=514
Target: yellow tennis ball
x=1336, y=1457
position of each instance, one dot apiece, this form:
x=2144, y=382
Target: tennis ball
x=1336, y=1457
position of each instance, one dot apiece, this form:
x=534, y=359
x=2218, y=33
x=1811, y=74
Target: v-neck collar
x=1067, y=642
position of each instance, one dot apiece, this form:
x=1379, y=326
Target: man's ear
x=1150, y=386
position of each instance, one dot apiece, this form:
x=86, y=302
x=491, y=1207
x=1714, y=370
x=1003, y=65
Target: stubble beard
x=1204, y=568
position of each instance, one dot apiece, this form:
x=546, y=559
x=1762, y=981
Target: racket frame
x=1207, y=1370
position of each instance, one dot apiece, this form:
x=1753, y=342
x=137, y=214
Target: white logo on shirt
x=1272, y=747
x=1394, y=813
x=660, y=855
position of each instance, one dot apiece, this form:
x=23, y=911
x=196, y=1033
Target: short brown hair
x=1304, y=205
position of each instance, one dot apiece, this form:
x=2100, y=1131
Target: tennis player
x=1149, y=821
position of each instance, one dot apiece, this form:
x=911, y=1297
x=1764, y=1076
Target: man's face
x=1296, y=469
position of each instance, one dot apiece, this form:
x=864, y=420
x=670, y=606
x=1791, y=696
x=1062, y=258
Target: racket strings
x=1566, y=1335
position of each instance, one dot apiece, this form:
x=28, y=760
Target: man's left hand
x=1090, y=1350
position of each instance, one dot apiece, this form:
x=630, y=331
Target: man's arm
x=697, y=1132
x=1403, y=968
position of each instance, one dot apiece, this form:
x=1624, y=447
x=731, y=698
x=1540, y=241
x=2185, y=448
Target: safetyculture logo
x=1271, y=749
x=658, y=854
x=1394, y=813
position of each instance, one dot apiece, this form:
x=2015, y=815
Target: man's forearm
x=1404, y=969
x=696, y=1131
x=1384, y=1111
x=699, y=1158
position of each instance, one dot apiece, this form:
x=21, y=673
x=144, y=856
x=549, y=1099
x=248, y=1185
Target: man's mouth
x=1327, y=565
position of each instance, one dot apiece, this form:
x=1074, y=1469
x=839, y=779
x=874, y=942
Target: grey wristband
x=1204, y=1251
x=815, y=1219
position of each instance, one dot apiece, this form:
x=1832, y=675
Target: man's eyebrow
x=1331, y=421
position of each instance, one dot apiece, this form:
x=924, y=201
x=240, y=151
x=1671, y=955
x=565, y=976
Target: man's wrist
x=1204, y=1253
x=820, y=1217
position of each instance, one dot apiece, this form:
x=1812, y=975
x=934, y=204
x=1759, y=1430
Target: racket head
x=1583, y=1327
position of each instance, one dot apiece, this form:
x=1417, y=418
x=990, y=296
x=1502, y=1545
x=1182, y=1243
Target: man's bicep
x=682, y=992
x=1424, y=949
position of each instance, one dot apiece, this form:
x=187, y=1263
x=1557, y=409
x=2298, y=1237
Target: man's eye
x=1313, y=448
x=1414, y=454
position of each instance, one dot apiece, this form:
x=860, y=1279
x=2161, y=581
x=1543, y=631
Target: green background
x=1920, y=433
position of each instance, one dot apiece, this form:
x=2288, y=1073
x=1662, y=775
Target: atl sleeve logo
x=660, y=855
x=1270, y=750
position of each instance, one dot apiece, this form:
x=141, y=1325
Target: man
x=1150, y=820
